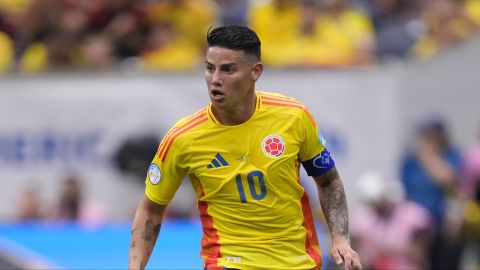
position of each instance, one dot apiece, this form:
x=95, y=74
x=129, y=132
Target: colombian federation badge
x=273, y=146
x=154, y=174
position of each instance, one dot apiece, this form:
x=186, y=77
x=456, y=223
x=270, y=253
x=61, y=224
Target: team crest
x=154, y=174
x=273, y=146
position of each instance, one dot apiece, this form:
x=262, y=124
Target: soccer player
x=242, y=153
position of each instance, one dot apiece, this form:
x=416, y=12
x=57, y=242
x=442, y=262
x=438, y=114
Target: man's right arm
x=145, y=230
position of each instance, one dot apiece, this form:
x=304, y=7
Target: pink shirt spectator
x=387, y=242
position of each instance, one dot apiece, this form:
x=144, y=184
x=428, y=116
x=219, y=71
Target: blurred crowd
x=168, y=35
x=70, y=205
x=430, y=219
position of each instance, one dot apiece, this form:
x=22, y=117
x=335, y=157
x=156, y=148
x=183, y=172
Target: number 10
x=251, y=186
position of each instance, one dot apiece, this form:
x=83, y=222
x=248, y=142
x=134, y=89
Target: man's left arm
x=334, y=206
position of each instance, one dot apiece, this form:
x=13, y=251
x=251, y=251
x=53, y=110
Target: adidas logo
x=217, y=162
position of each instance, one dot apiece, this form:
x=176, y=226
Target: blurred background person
x=70, y=200
x=73, y=206
x=29, y=205
x=336, y=34
x=470, y=187
x=165, y=50
x=470, y=175
x=397, y=27
x=429, y=174
x=277, y=24
x=472, y=11
x=97, y=52
x=446, y=25
x=174, y=34
x=389, y=231
x=7, y=52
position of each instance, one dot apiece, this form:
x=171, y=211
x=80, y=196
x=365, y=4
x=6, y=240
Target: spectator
x=38, y=26
x=390, y=232
x=189, y=19
x=165, y=50
x=429, y=175
x=7, y=53
x=29, y=205
x=446, y=26
x=470, y=180
x=472, y=11
x=70, y=200
x=73, y=206
x=397, y=27
x=341, y=34
x=97, y=53
x=470, y=186
x=278, y=25
x=175, y=34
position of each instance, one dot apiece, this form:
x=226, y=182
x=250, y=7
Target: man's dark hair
x=235, y=37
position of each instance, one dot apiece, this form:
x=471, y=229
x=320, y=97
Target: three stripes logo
x=217, y=162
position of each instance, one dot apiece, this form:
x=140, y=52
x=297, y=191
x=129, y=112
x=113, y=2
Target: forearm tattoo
x=151, y=231
x=334, y=203
x=149, y=235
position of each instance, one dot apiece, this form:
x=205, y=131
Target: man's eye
x=210, y=68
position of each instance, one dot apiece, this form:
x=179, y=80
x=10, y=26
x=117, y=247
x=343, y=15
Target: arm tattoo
x=334, y=203
x=151, y=231
x=149, y=235
x=327, y=178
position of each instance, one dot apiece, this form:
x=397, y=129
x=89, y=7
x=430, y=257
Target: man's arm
x=334, y=206
x=145, y=230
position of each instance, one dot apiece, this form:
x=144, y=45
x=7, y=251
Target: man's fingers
x=348, y=262
x=356, y=263
x=337, y=257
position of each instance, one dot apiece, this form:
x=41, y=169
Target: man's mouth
x=217, y=93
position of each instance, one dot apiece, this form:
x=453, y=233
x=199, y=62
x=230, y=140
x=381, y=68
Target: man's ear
x=257, y=71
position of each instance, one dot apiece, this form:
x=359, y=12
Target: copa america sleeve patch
x=320, y=164
x=154, y=174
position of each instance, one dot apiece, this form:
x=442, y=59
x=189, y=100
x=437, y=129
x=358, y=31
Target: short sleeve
x=311, y=144
x=167, y=170
x=315, y=157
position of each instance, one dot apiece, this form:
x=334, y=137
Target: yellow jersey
x=254, y=211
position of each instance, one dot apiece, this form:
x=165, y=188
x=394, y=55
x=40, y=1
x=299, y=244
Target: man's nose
x=216, y=79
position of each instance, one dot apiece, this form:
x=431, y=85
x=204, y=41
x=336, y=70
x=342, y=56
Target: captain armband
x=320, y=164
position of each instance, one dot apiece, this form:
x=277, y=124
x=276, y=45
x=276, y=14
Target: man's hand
x=334, y=206
x=342, y=253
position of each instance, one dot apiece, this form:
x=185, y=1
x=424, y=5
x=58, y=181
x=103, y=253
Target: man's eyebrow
x=222, y=65
x=228, y=65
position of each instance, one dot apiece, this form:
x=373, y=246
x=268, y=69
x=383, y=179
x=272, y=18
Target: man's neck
x=238, y=115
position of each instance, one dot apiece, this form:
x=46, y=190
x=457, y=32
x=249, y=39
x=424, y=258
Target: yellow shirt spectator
x=35, y=58
x=446, y=27
x=6, y=52
x=173, y=57
x=340, y=39
x=472, y=9
x=190, y=19
x=168, y=52
x=277, y=23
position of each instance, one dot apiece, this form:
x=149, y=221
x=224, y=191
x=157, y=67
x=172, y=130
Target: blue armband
x=319, y=164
